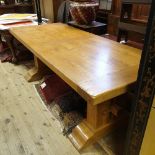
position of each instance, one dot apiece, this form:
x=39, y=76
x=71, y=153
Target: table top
x=97, y=68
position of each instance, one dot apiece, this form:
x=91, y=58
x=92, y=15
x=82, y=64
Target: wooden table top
x=97, y=68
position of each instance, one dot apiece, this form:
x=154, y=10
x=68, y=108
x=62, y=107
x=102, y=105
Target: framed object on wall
x=105, y=4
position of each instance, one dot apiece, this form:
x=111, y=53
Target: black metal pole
x=38, y=9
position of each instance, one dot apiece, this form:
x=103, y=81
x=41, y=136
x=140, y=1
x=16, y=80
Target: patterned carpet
x=65, y=105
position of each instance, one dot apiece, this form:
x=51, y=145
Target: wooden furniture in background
x=56, y=5
x=9, y=38
x=140, y=14
x=17, y=8
x=99, y=70
x=113, y=18
x=95, y=28
x=14, y=8
x=130, y=22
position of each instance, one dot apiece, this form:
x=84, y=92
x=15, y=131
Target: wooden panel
x=138, y=1
x=131, y=27
x=4, y=10
x=113, y=21
x=116, y=8
x=22, y=8
x=97, y=68
x=140, y=12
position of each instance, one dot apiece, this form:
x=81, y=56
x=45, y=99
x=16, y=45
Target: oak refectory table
x=98, y=69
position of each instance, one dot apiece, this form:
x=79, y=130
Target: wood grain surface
x=26, y=125
x=97, y=68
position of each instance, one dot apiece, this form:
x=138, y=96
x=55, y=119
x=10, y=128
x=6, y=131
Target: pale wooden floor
x=26, y=127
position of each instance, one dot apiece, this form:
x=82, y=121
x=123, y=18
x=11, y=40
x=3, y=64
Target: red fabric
x=53, y=87
x=7, y=58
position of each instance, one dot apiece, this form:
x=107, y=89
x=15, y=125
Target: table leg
x=9, y=40
x=98, y=123
x=126, y=36
x=37, y=72
x=119, y=35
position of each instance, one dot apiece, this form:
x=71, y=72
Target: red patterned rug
x=64, y=103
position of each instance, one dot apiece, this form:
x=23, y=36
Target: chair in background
x=63, y=15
